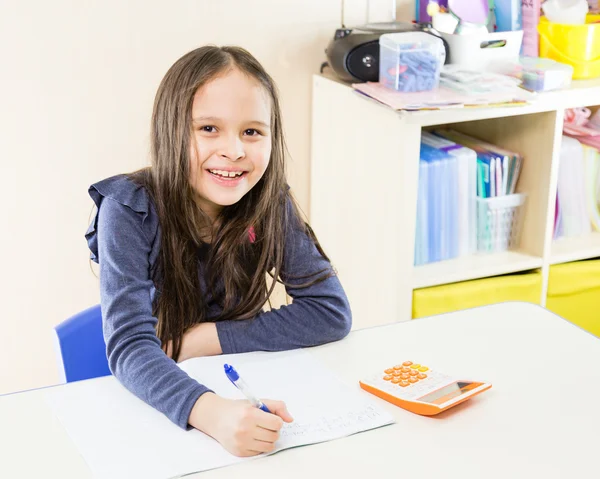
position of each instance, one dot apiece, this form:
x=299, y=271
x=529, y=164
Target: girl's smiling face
x=231, y=140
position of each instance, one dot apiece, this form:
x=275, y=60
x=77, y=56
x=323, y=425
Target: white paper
x=120, y=436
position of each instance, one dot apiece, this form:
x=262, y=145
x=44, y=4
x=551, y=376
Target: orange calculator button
x=406, y=363
x=413, y=373
x=405, y=370
x=387, y=378
x=396, y=373
x=423, y=369
x=415, y=366
x=405, y=375
x=413, y=379
x=396, y=380
x=404, y=383
x=388, y=371
x=422, y=376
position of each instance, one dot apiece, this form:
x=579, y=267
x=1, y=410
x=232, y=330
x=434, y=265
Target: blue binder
x=437, y=206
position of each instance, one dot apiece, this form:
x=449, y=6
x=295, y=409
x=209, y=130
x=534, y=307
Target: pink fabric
x=577, y=122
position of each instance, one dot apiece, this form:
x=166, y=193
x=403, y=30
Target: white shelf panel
x=581, y=93
x=577, y=248
x=473, y=267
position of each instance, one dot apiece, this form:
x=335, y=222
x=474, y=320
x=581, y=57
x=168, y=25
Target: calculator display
x=448, y=392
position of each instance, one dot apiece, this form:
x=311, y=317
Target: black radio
x=353, y=53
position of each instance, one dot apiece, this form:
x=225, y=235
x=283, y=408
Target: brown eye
x=208, y=129
x=251, y=132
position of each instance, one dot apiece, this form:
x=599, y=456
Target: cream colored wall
x=77, y=85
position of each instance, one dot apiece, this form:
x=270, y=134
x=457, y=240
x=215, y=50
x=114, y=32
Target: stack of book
x=466, y=197
x=578, y=194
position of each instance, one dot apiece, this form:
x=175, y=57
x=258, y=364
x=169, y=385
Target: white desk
x=540, y=419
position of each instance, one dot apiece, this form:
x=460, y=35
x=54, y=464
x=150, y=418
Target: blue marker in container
x=239, y=383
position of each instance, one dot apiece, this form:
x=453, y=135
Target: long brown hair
x=235, y=266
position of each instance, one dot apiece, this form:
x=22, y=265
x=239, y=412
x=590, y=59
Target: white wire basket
x=499, y=222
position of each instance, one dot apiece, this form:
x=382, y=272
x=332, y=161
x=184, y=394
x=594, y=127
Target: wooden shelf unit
x=565, y=250
x=473, y=267
x=364, y=171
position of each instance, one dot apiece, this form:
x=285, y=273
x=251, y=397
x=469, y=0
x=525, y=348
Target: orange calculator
x=418, y=389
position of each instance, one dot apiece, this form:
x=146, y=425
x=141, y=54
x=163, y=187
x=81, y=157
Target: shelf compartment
x=565, y=250
x=351, y=208
x=473, y=267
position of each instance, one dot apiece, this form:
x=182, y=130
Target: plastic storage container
x=499, y=221
x=574, y=293
x=410, y=61
x=575, y=45
x=543, y=74
x=484, y=51
x=479, y=292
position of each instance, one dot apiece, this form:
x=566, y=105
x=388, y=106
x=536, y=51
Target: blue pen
x=239, y=383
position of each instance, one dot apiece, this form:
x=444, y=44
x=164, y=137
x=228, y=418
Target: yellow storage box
x=575, y=45
x=574, y=293
x=470, y=294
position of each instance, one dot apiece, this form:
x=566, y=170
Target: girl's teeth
x=227, y=174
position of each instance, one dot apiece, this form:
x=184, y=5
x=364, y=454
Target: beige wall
x=77, y=85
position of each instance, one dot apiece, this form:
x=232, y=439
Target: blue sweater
x=124, y=239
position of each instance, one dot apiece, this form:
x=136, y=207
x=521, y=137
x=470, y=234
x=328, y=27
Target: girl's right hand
x=242, y=429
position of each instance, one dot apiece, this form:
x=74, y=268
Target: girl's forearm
x=201, y=340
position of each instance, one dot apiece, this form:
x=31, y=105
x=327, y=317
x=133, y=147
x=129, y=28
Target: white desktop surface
x=541, y=418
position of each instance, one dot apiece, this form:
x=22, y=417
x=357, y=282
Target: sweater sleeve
x=133, y=348
x=318, y=314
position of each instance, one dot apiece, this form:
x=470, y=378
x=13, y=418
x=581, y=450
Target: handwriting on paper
x=324, y=425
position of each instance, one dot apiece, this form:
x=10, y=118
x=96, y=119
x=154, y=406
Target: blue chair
x=80, y=346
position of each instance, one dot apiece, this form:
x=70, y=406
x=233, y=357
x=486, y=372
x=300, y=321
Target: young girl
x=184, y=247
